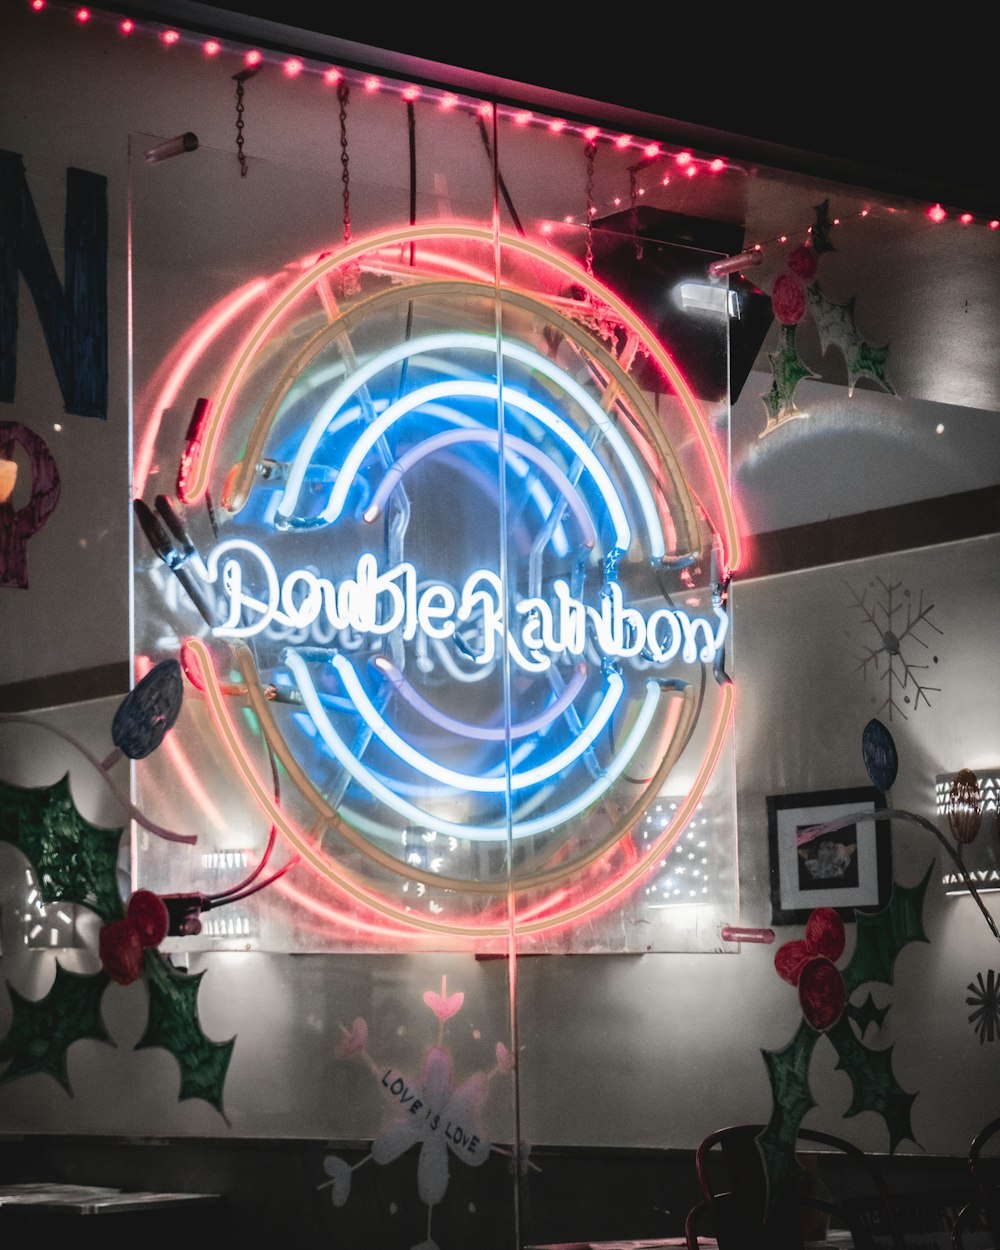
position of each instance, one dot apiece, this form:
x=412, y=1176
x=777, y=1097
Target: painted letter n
x=74, y=318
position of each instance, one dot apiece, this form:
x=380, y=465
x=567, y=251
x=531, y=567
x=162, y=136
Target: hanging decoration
x=824, y=995
x=893, y=639
x=791, y=298
x=239, y=79
x=17, y=525
x=434, y=1113
x=879, y=753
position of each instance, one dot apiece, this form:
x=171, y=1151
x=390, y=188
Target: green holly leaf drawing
x=788, y=1071
x=835, y=324
x=43, y=1030
x=867, y=1013
x=73, y=860
x=873, y=1081
x=787, y=371
x=173, y=1024
x=881, y=935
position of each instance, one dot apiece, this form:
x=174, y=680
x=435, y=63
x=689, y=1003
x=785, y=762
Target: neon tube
x=465, y=781
x=481, y=733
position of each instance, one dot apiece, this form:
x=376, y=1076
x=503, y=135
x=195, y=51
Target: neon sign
x=458, y=578
x=357, y=604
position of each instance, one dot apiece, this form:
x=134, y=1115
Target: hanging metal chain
x=633, y=217
x=343, y=96
x=591, y=151
x=240, y=79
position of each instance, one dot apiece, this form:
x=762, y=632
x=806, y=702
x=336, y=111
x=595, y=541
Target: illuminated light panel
x=551, y=911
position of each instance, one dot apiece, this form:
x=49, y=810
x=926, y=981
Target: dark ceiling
x=904, y=109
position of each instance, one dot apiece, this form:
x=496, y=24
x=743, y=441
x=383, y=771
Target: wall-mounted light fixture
x=981, y=856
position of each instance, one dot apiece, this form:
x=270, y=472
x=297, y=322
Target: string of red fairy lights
x=662, y=162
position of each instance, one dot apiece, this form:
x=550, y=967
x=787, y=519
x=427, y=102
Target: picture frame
x=845, y=869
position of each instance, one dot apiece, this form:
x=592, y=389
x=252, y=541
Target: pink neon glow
x=523, y=117
x=127, y=26
x=591, y=134
x=568, y=220
x=965, y=218
x=683, y=158
x=292, y=67
x=332, y=76
x=485, y=109
x=994, y=224
x=666, y=180
x=252, y=58
x=203, y=333
x=38, y=5
x=212, y=47
x=546, y=227
x=449, y=101
x=83, y=15
x=556, y=125
x=170, y=36
x=717, y=166
x=411, y=93
x=690, y=171
x=936, y=213
x=372, y=83
x=651, y=150
x=622, y=142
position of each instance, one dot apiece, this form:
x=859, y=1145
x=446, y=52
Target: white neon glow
x=482, y=343
x=342, y=752
x=373, y=602
x=466, y=781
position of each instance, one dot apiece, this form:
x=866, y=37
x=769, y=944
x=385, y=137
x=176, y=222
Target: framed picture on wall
x=842, y=868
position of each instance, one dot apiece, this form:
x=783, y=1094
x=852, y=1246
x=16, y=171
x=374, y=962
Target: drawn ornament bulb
x=965, y=807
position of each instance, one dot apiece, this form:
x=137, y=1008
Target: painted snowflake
x=984, y=998
x=899, y=634
x=434, y=1114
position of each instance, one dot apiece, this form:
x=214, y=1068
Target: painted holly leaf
x=821, y=227
x=42, y=1030
x=835, y=324
x=73, y=860
x=788, y=1072
x=174, y=1024
x=881, y=935
x=873, y=1082
x=867, y=1013
x=787, y=371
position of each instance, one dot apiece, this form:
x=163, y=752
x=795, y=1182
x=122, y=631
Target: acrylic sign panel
x=452, y=618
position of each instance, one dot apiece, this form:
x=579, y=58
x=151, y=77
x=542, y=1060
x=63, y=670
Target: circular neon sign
x=462, y=589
